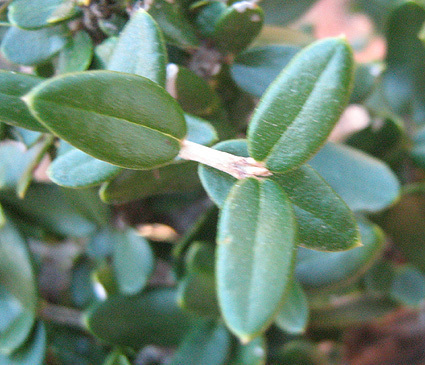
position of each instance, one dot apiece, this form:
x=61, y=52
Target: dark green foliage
x=246, y=252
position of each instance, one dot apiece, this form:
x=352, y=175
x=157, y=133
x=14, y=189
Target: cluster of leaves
x=126, y=101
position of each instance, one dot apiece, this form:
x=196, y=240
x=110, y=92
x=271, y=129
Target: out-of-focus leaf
x=300, y=108
x=12, y=109
x=255, y=255
x=55, y=210
x=132, y=185
x=174, y=24
x=31, y=353
x=349, y=313
x=196, y=290
x=19, y=296
x=150, y=318
x=256, y=68
x=207, y=14
x=103, y=53
x=237, y=26
x=208, y=344
x=293, y=315
x=77, y=54
x=33, y=14
x=283, y=12
x=408, y=286
x=326, y=270
x=133, y=261
x=192, y=92
x=403, y=79
x=33, y=47
x=140, y=49
x=379, y=277
x=349, y=171
x=116, y=358
x=200, y=131
x=132, y=123
x=81, y=283
x=300, y=352
x=364, y=80
x=76, y=169
x=253, y=353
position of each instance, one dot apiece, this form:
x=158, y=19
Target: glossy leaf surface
x=31, y=353
x=325, y=270
x=33, y=14
x=12, y=109
x=140, y=49
x=300, y=108
x=133, y=261
x=33, y=47
x=76, y=169
x=131, y=123
x=208, y=343
x=324, y=221
x=256, y=68
x=293, y=315
x=283, y=12
x=77, y=54
x=18, y=289
x=138, y=320
x=237, y=26
x=116, y=358
x=255, y=254
x=363, y=182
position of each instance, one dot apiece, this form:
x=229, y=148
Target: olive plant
x=187, y=108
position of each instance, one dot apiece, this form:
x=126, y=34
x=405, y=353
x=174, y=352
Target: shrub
x=194, y=202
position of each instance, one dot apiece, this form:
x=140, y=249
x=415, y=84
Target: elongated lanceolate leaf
x=12, y=109
x=323, y=219
x=300, y=108
x=126, y=120
x=255, y=255
x=140, y=49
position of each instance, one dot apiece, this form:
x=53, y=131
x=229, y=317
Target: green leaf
x=55, y=209
x=237, y=26
x=31, y=353
x=33, y=47
x=196, y=290
x=200, y=131
x=132, y=123
x=76, y=169
x=408, y=286
x=103, y=53
x=207, y=14
x=255, y=69
x=403, y=79
x=131, y=185
x=323, y=219
x=138, y=320
x=301, y=352
x=255, y=255
x=293, y=315
x=283, y=12
x=2, y=217
x=12, y=109
x=33, y=14
x=116, y=358
x=253, y=353
x=133, y=261
x=18, y=289
x=77, y=54
x=193, y=93
x=346, y=314
x=176, y=27
x=300, y=108
x=140, y=49
x=207, y=344
x=363, y=182
x=327, y=270
x=365, y=78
